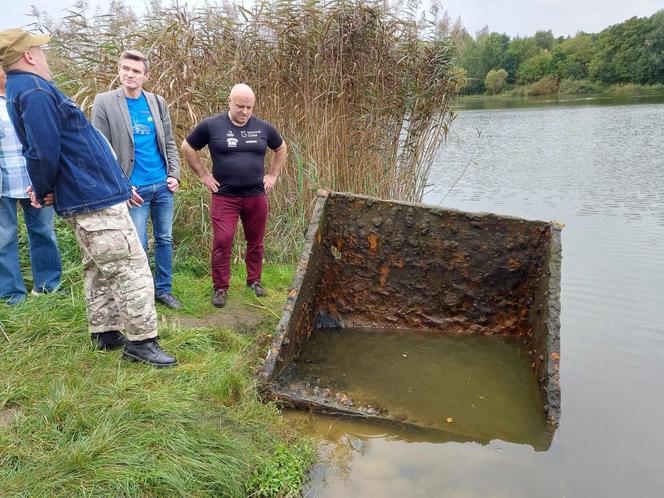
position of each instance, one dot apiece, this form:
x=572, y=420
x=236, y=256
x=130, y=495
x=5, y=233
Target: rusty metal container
x=369, y=263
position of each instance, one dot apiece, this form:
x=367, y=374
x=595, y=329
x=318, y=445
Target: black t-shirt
x=238, y=152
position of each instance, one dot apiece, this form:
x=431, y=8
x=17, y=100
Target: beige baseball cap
x=15, y=42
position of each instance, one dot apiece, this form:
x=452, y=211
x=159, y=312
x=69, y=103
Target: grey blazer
x=110, y=116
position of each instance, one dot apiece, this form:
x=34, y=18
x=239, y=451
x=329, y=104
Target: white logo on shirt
x=232, y=142
x=141, y=129
x=229, y=133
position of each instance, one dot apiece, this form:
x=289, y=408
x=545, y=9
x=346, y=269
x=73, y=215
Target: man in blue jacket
x=72, y=167
x=14, y=182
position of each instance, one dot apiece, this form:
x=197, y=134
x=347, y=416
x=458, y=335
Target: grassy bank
x=79, y=422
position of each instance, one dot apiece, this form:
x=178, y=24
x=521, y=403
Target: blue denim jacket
x=64, y=153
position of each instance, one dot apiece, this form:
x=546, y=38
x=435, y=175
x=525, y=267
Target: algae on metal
x=369, y=263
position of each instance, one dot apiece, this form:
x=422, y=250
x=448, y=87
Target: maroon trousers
x=224, y=212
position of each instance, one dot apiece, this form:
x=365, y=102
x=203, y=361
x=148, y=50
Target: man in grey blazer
x=138, y=126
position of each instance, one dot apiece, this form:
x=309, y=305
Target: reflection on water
x=469, y=388
x=599, y=170
x=470, y=103
x=375, y=460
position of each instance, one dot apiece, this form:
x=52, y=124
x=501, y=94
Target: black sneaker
x=112, y=339
x=169, y=300
x=148, y=351
x=219, y=298
x=258, y=289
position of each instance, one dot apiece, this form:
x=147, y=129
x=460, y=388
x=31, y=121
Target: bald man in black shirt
x=237, y=141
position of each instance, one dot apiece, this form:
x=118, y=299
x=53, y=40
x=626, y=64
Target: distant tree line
x=631, y=52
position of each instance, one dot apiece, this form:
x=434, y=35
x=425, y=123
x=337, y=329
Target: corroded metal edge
x=551, y=384
x=269, y=369
x=543, y=342
x=436, y=207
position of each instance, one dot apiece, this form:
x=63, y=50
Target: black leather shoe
x=112, y=339
x=169, y=300
x=148, y=351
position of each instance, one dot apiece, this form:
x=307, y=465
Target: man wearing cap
x=237, y=141
x=138, y=126
x=14, y=182
x=72, y=166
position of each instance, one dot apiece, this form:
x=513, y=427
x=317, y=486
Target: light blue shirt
x=14, y=177
x=149, y=165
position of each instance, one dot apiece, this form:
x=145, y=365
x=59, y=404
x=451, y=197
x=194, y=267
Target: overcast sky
x=514, y=17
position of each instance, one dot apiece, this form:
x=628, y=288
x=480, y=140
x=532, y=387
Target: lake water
x=600, y=171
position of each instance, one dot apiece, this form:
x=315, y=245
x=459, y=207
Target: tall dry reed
x=359, y=90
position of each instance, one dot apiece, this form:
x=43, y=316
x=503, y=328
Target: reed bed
x=360, y=92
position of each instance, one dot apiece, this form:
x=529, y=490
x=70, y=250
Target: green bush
x=546, y=86
x=579, y=87
x=519, y=91
x=282, y=474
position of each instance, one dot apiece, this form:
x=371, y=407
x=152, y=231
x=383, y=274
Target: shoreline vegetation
x=597, y=91
x=362, y=95
x=616, y=94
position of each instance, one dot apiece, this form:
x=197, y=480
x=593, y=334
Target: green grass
x=79, y=422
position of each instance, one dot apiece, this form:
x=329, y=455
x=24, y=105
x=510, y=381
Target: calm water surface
x=599, y=170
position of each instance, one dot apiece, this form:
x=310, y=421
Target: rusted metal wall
x=398, y=265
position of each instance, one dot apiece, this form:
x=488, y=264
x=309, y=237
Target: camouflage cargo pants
x=119, y=290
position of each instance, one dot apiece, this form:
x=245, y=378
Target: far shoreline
x=507, y=101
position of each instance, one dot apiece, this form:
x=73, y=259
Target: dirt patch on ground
x=233, y=316
x=6, y=416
